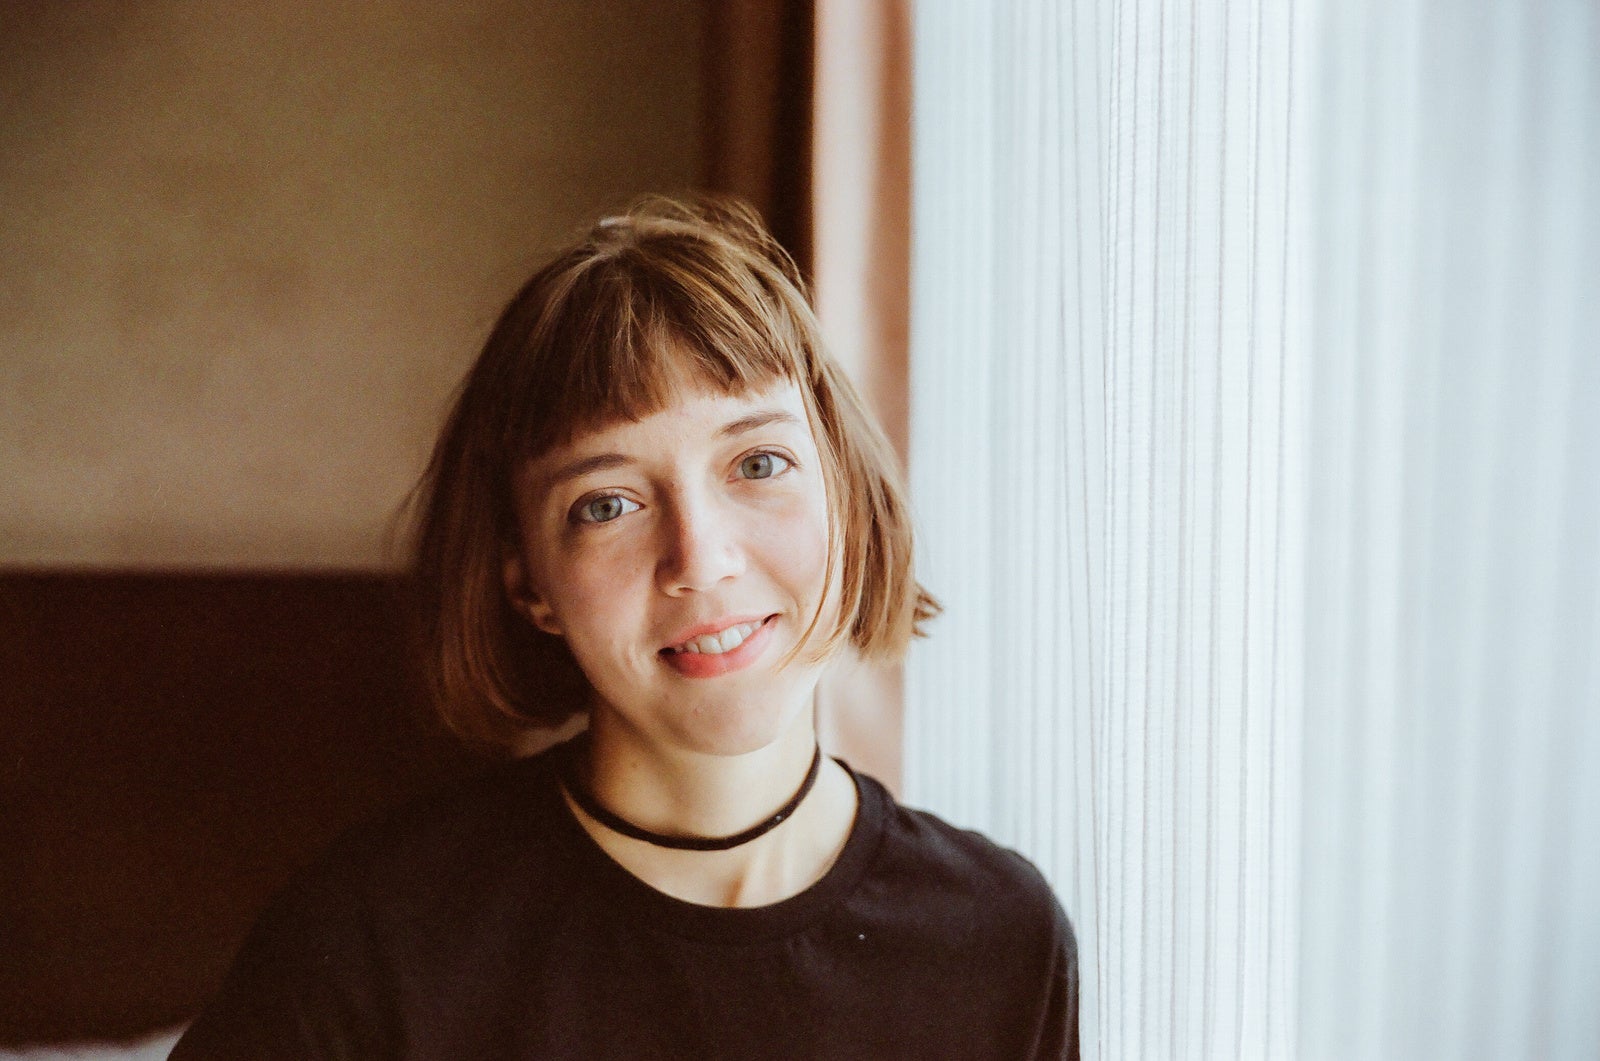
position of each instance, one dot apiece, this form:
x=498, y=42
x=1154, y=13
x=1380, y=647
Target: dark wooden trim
x=756, y=112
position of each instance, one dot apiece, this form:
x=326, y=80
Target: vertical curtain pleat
x=1256, y=439
x=1105, y=403
x=1453, y=697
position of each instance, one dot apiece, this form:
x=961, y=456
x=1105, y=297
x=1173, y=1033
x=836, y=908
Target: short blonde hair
x=601, y=333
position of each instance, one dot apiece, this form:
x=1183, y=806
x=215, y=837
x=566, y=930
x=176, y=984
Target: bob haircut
x=606, y=331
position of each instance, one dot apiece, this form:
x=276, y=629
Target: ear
x=520, y=591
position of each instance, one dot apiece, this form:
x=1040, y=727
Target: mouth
x=721, y=641
x=716, y=652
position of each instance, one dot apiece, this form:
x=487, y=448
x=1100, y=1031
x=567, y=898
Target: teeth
x=715, y=644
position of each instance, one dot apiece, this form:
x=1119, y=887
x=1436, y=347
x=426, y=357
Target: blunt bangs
x=627, y=325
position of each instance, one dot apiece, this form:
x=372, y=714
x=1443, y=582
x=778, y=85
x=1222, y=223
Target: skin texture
x=712, y=509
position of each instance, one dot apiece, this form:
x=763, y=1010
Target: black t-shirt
x=486, y=924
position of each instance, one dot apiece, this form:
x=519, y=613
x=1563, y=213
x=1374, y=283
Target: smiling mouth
x=718, y=643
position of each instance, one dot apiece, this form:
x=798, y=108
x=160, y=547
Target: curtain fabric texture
x=1104, y=452
x=1253, y=438
x=1452, y=690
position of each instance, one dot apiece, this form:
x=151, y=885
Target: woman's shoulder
x=497, y=823
x=963, y=909
x=444, y=877
x=923, y=855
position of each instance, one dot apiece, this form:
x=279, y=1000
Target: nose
x=699, y=546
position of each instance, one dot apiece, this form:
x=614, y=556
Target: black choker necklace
x=584, y=798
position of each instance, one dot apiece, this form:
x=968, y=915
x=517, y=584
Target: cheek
x=800, y=555
x=588, y=589
x=593, y=607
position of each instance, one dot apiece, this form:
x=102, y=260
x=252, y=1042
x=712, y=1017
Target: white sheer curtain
x=1452, y=714
x=1254, y=445
x=1104, y=448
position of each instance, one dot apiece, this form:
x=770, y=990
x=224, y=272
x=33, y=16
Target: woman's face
x=681, y=558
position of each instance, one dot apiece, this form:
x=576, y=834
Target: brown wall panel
x=173, y=747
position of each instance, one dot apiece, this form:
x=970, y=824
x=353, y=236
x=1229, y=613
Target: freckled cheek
x=594, y=595
x=797, y=554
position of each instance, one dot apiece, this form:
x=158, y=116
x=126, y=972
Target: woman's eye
x=762, y=465
x=605, y=509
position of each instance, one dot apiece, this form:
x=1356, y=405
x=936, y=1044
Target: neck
x=579, y=790
x=685, y=792
x=679, y=792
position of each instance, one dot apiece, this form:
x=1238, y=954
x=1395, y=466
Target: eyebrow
x=755, y=420
x=601, y=462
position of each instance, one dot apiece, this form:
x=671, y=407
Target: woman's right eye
x=604, y=509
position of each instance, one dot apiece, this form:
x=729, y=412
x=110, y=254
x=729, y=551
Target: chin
x=735, y=728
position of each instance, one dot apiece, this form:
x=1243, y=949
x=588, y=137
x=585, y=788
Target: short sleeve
x=1057, y=1036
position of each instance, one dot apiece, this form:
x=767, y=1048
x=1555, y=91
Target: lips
x=719, y=647
x=715, y=644
x=717, y=635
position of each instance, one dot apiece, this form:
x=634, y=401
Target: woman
x=658, y=501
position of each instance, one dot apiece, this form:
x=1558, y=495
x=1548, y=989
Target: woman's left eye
x=604, y=509
x=763, y=465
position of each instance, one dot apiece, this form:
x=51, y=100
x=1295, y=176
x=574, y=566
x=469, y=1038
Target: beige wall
x=247, y=249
